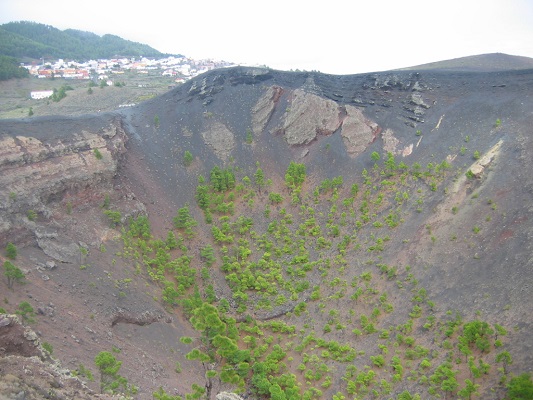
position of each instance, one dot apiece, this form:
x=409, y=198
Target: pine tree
x=520, y=387
x=110, y=380
x=171, y=241
x=202, y=196
x=259, y=178
x=208, y=255
x=469, y=389
x=187, y=158
x=183, y=219
x=11, y=251
x=12, y=273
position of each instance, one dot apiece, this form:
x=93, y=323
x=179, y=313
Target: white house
x=41, y=94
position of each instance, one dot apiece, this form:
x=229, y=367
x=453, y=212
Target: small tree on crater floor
x=25, y=310
x=110, y=380
x=520, y=387
x=187, y=158
x=12, y=273
x=11, y=251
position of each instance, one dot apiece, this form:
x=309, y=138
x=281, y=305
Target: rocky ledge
x=35, y=172
x=27, y=371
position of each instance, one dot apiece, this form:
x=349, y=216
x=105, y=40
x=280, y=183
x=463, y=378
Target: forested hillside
x=33, y=40
x=9, y=68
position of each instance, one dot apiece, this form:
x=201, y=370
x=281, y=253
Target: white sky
x=337, y=37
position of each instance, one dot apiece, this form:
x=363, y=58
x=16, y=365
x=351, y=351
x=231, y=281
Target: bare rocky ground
x=100, y=302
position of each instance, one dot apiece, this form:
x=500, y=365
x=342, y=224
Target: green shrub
x=520, y=387
x=32, y=215
x=275, y=198
x=249, y=136
x=48, y=347
x=85, y=372
x=187, y=158
x=11, y=251
x=25, y=310
x=114, y=217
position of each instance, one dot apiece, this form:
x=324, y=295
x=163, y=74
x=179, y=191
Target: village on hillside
x=180, y=68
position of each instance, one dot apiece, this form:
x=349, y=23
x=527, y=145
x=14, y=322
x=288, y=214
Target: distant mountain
x=479, y=63
x=34, y=40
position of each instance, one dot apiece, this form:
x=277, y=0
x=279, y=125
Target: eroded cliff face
x=35, y=172
x=308, y=116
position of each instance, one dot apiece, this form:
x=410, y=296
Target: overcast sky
x=337, y=37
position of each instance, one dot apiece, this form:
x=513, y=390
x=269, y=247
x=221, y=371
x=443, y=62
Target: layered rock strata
x=36, y=172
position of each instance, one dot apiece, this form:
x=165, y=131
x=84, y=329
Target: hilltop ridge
x=479, y=63
x=25, y=39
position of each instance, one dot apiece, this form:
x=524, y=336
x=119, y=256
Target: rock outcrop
x=29, y=372
x=308, y=116
x=16, y=339
x=220, y=139
x=264, y=108
x=35, y=172
x=357, y=131
x=228, y=396
x=480, y=165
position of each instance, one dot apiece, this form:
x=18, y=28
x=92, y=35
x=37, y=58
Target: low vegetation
x=308, y=300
